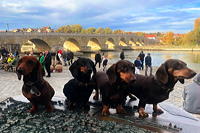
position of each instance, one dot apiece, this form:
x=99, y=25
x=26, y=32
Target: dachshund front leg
x=96, y=96
x=33, y=109
x=105, y=110
x=156, y=110
x=49, y=107
x=141, y=110
x=120, y=110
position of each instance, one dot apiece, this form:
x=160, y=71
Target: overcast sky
x=129, y=15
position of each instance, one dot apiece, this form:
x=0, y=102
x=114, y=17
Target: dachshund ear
x=161, y=74
x=74, y=68
x=39, y=70
x=93, y=67
x=112, y=74
x=18, y=74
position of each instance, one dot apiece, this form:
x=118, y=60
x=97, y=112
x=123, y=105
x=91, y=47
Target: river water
x=192, y=58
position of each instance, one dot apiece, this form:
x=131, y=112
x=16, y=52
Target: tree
x=64, y=29
x=76, y=28
x=100, y=31
x=118, y=31
x=108, y=30
x=168, y=38
x=140, y=33
x=90, y=30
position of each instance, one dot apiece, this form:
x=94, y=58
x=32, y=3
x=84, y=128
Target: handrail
x=60, y=34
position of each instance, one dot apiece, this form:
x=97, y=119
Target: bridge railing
x=58, y=34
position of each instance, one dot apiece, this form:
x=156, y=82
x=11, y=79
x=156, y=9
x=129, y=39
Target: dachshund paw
x=142, y=114
x=132, y=98
x=105, y=110
x=70, y=105
x=96, y=97
x=49, y=108
x=121, y=110
x=157, y=112
x=32, y=110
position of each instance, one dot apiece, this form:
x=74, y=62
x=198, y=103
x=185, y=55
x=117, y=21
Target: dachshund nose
x=89, y=70
x=193, y=73
x=133, y=78
x=20, y=70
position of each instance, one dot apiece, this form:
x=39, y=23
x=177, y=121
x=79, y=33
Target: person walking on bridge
x=98, y=59
x=122, y=57
x=142, y=55
x=47, y=61
x=148, y=64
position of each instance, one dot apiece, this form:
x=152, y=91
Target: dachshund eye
x=30, y=62
x=20, y=61
x=125, y=69
x=179, y=67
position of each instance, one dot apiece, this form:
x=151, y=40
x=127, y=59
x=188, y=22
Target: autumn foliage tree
x=168, y=38
x=76, y=28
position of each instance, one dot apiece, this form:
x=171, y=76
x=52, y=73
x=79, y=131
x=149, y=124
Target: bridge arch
x=72, y=45
x=122, y=42
x=110, y=43
x=138, y=43
x=36, y=45
x=132, y=42
x=94, y=44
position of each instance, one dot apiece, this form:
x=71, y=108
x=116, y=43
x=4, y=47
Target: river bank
x=166, y=48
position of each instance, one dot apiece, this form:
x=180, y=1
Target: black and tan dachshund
x=79, y=89
x=155, y=89
x=113, y=85
x=35, y=88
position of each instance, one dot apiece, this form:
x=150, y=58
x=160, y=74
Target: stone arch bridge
x=24, y=41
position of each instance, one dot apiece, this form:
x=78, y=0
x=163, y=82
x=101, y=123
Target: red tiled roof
x=150, y=35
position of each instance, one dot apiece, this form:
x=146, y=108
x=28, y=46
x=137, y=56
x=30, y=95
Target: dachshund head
x=29, y=66
x=176, y=69
x=82, y=65
x=123, y=70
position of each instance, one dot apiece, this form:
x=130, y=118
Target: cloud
x=189, y=9
x=127, y=15
x=145, y=19
x=68, y=5
x=180, y=23
x=17, y=7
x=175, y=9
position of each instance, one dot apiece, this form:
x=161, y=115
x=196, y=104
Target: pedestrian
x=138, y=65
x=191, y=96
x=16, y=54
x=71, y=56
x=142, y=55
x=105, y=62
x=98, y=59
x=41, y=60
x=4, y=52
x=57, y=58
x=148, y=64
x=122, y=57
x=30, y=53
x=47, y=61
x=65, y=58
x=60, y=55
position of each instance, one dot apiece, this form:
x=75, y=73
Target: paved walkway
x=10, y=86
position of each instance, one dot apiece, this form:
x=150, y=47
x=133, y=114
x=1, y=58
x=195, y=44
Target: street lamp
x=7, y=27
